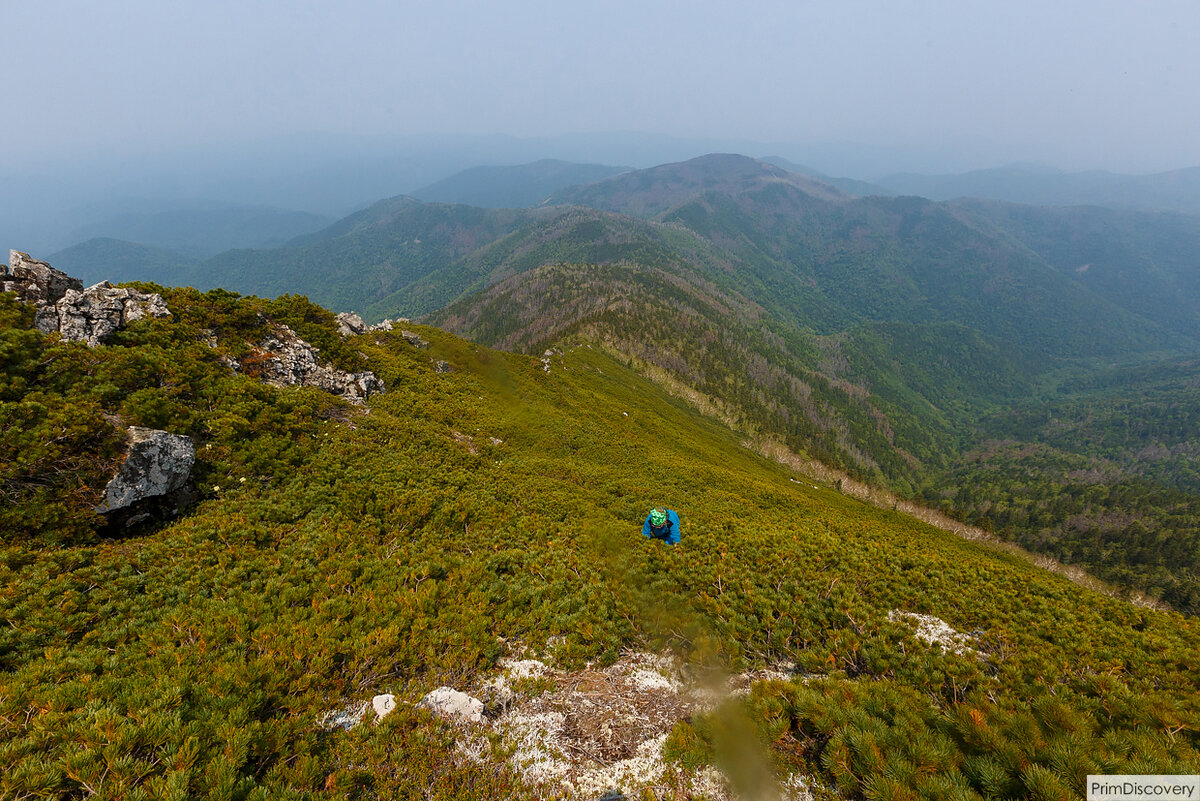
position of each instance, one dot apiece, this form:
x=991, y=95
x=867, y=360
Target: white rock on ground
x=383, y=704
x=450, y=703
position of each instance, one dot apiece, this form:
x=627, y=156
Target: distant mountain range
x=1068, y=282
x=1177, y=190
x=513, y=187
x=101, y=258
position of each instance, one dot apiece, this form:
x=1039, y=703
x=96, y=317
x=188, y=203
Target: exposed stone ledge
x=66, y=308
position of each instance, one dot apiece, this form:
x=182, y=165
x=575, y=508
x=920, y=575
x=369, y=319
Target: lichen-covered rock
x=157, y=467
x=34, y=281
x=286, y=360
x=345, y=718
x=92, y=314
x=350, y=324
x=414, y=339
x=450, y=703
x=65, y=307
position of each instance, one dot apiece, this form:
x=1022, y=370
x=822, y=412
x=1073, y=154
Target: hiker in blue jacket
x=662, y=524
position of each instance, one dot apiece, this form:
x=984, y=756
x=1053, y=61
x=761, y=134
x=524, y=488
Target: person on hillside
x=662, y=524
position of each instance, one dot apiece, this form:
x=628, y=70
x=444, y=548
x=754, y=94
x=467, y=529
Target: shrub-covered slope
x=474, y=513
x=844, y=400
x=877, y=334
x=885, y=331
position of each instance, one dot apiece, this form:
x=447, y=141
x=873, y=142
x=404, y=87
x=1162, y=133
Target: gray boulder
x=152, y=479
x=350, y=324
x=414, y=339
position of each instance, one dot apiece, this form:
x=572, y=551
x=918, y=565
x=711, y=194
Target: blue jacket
x=669, y=531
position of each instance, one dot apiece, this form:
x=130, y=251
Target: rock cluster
x=152, y=480
x=64, y=306
x=284, y=359
x=350, y=324
x=94, y=313
x=90, y=315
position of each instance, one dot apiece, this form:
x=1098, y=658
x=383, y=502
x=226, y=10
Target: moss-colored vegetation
x=498, y=506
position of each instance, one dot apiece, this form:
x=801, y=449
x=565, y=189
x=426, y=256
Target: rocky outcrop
x=153, y=479
x=350, y=324
x=94, y=313
x=64, y=306
x=34, y=281
x=90, y=315
x=286, y=360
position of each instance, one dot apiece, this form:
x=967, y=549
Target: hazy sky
x=1075, y=83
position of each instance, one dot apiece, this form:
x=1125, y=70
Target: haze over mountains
x=338, y=491
x=889, y=336
x=1030, y=371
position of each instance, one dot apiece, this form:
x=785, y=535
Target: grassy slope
x=193, y=660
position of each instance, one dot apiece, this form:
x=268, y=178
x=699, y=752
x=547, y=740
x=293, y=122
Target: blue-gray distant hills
x=1176, y=190
x=198, y=230
x=513, y=187
x=105, y=259
x=1067, y=281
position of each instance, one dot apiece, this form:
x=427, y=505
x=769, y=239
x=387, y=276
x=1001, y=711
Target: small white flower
x=216, y=488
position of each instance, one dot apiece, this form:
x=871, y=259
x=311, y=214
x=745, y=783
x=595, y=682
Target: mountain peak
x=654, y=191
